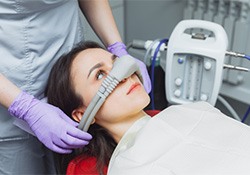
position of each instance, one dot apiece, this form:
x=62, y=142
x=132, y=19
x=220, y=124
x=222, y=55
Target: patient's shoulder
x=189, y=110
x=201, y=106
x=187, y=116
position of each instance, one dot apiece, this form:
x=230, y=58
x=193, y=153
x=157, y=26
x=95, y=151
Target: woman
x=185, y=139
x=93, y=71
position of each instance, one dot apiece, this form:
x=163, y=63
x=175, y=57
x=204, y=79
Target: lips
x=132, y=87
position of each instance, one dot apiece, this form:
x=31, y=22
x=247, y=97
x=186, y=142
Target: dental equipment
x=239, y=68
x=235, y=54
x=195, y=62
x=122, y=68
x=156, y=54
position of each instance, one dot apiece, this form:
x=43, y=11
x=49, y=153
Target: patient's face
x=89, y=69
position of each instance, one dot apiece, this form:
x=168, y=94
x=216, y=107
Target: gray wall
x=151, y=19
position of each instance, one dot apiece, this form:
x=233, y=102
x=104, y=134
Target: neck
x=118, y=130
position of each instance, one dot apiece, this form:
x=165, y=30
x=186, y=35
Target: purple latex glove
x=51, y=126
x=119, y=49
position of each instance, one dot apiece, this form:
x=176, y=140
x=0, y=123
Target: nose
x=127, y=79
x=124, y=80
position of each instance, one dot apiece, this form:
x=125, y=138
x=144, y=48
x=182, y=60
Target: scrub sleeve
x=33, y=34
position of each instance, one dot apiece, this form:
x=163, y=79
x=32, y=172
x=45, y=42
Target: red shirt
x=84, y=166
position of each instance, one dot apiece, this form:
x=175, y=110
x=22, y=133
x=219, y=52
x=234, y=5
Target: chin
x=142, y=102
x=147, y=100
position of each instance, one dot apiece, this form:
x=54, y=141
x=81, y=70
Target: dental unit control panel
x=195, y=60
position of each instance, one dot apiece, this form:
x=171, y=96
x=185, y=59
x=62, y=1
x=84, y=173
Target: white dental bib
x=191, y=139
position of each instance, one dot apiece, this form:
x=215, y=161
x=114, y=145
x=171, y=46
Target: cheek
x=89, y=92
x=118, y=106
x=139, y=102
x=112, y=107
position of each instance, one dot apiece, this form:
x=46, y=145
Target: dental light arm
x=123, y=68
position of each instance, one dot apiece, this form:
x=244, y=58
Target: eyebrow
x=98, y=65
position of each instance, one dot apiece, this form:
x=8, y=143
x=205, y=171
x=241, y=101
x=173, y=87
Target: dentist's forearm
x=8, y=91
x=100, y=17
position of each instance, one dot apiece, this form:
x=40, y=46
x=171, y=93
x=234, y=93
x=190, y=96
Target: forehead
x=91, y=56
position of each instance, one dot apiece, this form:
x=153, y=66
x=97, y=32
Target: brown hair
x=60, y=92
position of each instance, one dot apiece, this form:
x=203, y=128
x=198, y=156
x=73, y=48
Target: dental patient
x=190, y=139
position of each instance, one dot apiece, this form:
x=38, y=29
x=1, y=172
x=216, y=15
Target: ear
x=78, y=113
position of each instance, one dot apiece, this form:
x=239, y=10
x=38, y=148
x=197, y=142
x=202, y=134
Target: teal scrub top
x=33, y=34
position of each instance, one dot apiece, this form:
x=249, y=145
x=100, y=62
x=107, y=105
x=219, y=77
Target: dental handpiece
x=123, y=68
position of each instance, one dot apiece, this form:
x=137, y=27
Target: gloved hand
x=119, y=49
x=52, y=127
